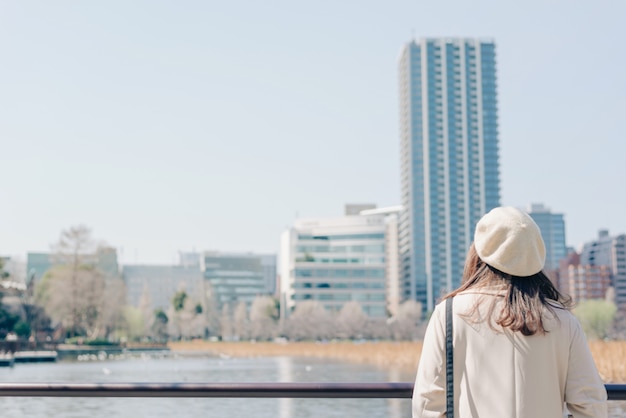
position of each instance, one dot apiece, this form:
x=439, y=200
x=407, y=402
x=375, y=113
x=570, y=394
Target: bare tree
x=404, y=325
x=147, y=313
x=185, y=318
x=309, y=321
x=77, y=314
x=76, y=292
x=263, y=314
x=111, y=304
x=350, y=322
x=213, y=320
x=240, y=321
x=226, y=323
x=197, y=324
x=72, y=252
x=377, y=329
x=173, y=324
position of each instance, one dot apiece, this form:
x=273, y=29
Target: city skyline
x=169, y=129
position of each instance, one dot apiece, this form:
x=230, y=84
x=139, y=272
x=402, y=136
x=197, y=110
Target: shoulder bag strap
x=449, y=362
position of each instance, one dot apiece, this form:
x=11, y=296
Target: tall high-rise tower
x=449, y=155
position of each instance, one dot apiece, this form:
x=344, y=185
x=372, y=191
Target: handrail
x=615, y=392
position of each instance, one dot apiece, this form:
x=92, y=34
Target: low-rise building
x=239, y=277
x=342, y=259
x=160, y=283
x=104, y=259
x=609, y=251
x=583, y=281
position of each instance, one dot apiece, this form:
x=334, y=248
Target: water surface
x=169, y=367
x=172, y=368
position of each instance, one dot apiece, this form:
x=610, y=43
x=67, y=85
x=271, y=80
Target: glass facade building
x=160, y=283
x=37, y=264
x=449, y=158
x=552, y=226
x=235, y=277
x=105, y=260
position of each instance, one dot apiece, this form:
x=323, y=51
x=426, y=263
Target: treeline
x=78, y=299
x=261, y=322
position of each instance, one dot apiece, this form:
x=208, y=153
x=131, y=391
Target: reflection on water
x=200, y=369
x=397, y=407
x=170, y=368
x=285, y=371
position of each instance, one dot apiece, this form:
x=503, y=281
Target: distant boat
x=35, y=356
x=7, y=360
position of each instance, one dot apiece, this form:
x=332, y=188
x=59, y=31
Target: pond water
x=169, y=367
x=172, y=368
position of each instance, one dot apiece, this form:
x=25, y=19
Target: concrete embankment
x=69, y=351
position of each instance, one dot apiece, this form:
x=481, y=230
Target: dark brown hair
x=524, y=300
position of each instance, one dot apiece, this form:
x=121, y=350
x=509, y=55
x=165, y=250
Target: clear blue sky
x=174, y=125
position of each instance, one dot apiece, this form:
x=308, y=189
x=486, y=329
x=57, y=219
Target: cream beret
x=509, y=240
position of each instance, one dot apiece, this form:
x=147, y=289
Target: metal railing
x=616, y=392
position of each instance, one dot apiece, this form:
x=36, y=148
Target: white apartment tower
x=449, y=158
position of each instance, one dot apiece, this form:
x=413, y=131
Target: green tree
x=22, y=329
x=178, y=301
x=159, y=326
x=7, y=322
x=134, y=323
x=161, y=316
x=596, y=317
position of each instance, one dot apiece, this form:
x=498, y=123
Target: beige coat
x=504, y=374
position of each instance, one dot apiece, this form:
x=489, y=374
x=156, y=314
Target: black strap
x=449, y=362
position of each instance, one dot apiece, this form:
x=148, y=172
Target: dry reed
x=609, y=356
x=385, y=354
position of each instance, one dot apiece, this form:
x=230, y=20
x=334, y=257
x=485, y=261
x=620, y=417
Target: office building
x=336, y=260
x=37, y=264
x=160, y=283
x=105, y=260
x=449, y=158
x=552, y=226
x=239, y=277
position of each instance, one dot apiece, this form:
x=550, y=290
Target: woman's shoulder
x=462, y=302
x=562, y=312
x=469, y=297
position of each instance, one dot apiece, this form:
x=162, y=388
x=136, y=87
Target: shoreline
x=384, y=354
x=608, y=355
